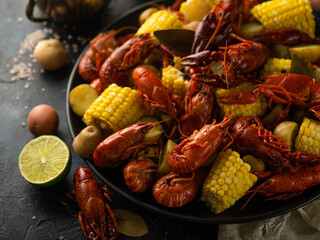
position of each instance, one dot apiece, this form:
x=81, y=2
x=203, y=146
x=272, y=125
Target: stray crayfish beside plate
x=196, y=211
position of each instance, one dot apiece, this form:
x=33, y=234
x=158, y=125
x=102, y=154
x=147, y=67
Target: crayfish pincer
x=95, y=216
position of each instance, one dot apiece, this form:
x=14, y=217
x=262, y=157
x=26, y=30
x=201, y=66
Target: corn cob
x=280, y=14
x=276, y=65
x=308, y=138
x=173, y=78
x=257, y=108
x=229, y=179
x=160, y=20
x=115, y=109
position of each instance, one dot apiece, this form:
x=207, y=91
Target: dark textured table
x=28, y=212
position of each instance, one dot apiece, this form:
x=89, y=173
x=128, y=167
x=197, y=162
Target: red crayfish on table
x=96, y=217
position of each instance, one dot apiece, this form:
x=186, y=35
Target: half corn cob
x=173, y=78
x=281, y=14
x=308, y=138
x=257, y=108
x=276, y=65
x=159, y=20
x=228, y=180
x=115, y=109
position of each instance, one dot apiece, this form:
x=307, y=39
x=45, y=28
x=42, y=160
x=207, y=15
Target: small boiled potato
x=164, y=168
x=154, y=134
x=287, y=131
x=81, y=97
x=50, y=54
x=86, y=141
x=43, y=120
x=191, y=25
x=195, y=10
x=256, y=163
x=249, y=30
x=310, y=52
x=146, y=14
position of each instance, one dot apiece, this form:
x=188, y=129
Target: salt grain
x=17, y=97
x=34, y=217
x=23, y=124
x=26, y=107
x=20, y=19
x=43, y=89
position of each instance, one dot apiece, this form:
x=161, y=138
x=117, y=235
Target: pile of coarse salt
x=23, y=70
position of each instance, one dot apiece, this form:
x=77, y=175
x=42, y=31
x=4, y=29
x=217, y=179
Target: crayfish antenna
x=255, y=191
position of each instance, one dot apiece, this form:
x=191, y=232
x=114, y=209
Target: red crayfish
x=193, y=151
x=238, y=59
x=287, y=183
x=129, y=55
x=116, y=148
x=292, y=89
x=96, y=218
x=250, y=136
x=175, y=190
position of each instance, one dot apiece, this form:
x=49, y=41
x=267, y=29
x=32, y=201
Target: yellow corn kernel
x=280, y=14
x=307, y=139
x=228, y=186
x=160, y=20
x=276, y=65
x=257, y=108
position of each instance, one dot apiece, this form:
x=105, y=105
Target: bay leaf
x=129, y=223
x=304, y=67
x=179, y=40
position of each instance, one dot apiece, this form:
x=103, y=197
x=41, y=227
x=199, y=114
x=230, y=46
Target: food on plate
x=154, y=134
x=95, y=216
x=87, y=140
x=309, y=52
x=307, y=140
x=174, y=103
x=43, y=120
x=50, y=54
x=256, y=164
x=81, y=97
x=276, y=65
x=164, y=168
x=249, y=30
x=45, y=161
x=229, y=179
x=287, y=131
x=115, y=109
x=146, y=14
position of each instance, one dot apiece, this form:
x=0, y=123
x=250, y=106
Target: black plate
x=196, y=211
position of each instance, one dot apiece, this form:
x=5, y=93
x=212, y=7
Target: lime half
x=45, y=161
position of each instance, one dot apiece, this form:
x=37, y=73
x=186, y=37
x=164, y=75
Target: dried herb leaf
x=301, y=66
x=130, y=224
x=176, y=39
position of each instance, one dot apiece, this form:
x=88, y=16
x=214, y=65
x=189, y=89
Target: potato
x=310, y=52
x=249, y=30
x=196, y=10
x=191, y=25
x=287, y=131
x=164, y=168
x=146, y=14
x=43, y=120
x=50, y=54
x=154, y=134
x=81, y=97
x=86, y=141
x=256, y=163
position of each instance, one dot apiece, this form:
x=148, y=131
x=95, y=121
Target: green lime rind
x=45, y=161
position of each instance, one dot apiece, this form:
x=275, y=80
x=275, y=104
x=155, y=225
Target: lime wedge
x=45, y=161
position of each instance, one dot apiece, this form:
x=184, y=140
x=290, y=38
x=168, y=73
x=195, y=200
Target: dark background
x=28, y=212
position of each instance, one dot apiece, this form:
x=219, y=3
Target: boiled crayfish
x=96, y=217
